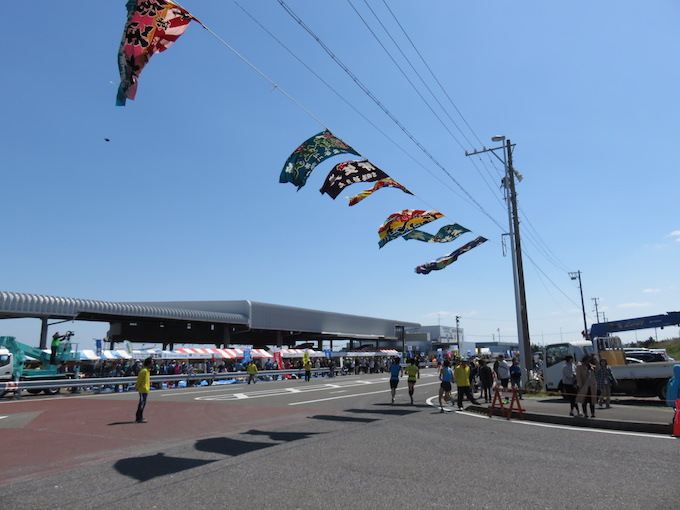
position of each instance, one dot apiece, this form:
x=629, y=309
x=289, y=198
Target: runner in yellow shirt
x=413, y=373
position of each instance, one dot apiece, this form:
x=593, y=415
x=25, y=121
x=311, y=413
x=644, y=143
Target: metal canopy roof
x=15, y=304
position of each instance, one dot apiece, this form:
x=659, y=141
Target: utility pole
x=515, y=242
x=597, y=313
x=577, y=276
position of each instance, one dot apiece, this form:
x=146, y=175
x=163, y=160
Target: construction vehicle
x=21, y=362
x=637, y=379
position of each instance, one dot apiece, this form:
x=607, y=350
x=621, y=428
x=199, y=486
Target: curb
x=594, y=423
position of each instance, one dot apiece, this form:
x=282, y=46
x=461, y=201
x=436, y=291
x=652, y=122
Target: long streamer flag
x=152, y=26
x=387, y=182
x=444, y=261
x=398, y=224
x=350, y=172
x=446, y=234
x=313, y=151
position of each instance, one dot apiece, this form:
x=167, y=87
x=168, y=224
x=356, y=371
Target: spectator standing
x=502, y=370
x=587, y=385
x=605, y=380
x=569, y=384
x=485, y=380
x=516, y=376
x=143, y=386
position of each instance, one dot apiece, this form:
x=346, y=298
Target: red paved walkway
x=49, y=436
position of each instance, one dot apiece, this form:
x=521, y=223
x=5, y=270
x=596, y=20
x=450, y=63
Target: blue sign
x=98, y=348
x=328, y=352
x=246, y=355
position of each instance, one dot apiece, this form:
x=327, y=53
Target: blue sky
x=184, y=203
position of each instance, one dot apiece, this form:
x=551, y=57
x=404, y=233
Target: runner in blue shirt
x=395, y=373
x=445, y=376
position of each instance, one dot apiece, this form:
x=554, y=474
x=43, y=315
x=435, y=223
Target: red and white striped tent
x=223, y=353
x=299, y=353
x=370, y=354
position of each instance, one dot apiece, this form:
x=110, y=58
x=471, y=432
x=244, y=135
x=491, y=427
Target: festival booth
x=115, y=354
x=367, y=354
x=197, y=353
x=300, y=353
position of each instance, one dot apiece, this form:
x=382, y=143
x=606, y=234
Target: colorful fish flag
x=350, y=172
x=152, y=26
x=400, y=223
x=444, y=261
x=446, y=234
x=387, y=182
x=312, y=152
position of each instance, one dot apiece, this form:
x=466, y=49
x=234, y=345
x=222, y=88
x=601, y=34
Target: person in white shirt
x=569, y=384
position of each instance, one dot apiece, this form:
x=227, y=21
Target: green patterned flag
x=312, y=152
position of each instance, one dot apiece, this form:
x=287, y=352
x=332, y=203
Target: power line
x=365, y=89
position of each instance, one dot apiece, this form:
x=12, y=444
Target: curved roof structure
x=210, y=322
x=15, y=304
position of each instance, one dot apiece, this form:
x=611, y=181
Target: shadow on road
x=147, y=468
x=229, y=446
x=121, y=423
x=281, y=436
x=330, y=417
x=389, y=410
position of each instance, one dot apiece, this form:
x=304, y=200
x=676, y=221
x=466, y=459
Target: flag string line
x=293, y=100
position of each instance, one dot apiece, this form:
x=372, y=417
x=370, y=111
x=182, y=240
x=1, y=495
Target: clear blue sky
x=184, y=203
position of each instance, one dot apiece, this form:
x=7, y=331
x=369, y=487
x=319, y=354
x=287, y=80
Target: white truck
x=637, y=379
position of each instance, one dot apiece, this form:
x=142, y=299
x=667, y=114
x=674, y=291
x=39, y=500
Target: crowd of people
x=589, y=381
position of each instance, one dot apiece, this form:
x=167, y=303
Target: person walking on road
x=413, y=373
x=587, y=385
x=569, y=384
x=605, y=380
x=446, y=377
x=462, y=376
x=395, y=373
x=252, y=372
x=308, y=370
x=143, y=386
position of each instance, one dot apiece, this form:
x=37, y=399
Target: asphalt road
x=334, y=443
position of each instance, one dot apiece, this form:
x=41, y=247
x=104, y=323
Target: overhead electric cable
x=386, y=110
x=427, y=103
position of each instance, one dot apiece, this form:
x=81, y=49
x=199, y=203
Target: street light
x=497, y=138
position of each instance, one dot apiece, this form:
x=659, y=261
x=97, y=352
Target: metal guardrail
x=84, y=382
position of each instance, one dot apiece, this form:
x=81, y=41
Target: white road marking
x=353, y=395
x=549, y=425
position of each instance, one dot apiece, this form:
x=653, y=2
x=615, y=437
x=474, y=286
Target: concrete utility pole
x=597, y=313
x=516, y=249
x=577, y=276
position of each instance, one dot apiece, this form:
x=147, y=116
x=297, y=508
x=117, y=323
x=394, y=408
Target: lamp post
x=577, y=276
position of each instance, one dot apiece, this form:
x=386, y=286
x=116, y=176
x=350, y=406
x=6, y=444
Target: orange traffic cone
x=676, y=419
